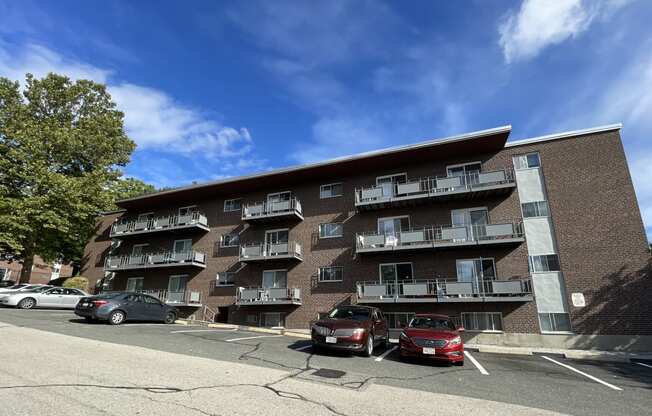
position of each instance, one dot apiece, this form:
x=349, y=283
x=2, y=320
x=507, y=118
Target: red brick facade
x=600, y=238
x=41, y=273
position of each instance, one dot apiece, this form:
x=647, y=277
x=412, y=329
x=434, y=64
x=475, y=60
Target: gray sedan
x=45, y=297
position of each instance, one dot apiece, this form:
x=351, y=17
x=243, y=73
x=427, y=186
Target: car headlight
x=455, y=341
x=358, y=331
x=404, y=337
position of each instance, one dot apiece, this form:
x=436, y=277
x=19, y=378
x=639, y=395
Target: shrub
x=77, y=282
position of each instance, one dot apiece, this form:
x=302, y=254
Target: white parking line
x=259, y=336
x=643, y=364
x=185, y=331
x=597, y=380
x=305, y=347
x=385, y=354
x=476, y=363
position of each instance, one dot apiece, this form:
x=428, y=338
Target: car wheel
x=369, y=348
x=117, y=317
x=27, y=303
x=170, y=318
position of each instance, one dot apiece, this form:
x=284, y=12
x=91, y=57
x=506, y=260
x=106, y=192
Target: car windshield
x=17, y=286
x=427, y=322
x=37, y=289
x=108, y=295
x=357, y=314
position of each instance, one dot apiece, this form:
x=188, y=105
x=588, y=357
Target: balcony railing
x=268, y=296
x=152, y=260
x=432, y=187
x=445, y=290
x=179, y=298
x=441, y=236
x=257, y=252
x=272, y=210
x=168, y=222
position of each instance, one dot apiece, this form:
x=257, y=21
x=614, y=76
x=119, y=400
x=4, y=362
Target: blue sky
x=216, y=89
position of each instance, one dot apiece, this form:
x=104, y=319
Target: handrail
x=163, y=257
x=131, y=225
x=270, y=250
x=260, y=294
x=168, y=296
x=264, y=208
x=442, y=288
x=428, y=186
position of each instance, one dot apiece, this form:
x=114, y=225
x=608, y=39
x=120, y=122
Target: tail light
x=98, y=303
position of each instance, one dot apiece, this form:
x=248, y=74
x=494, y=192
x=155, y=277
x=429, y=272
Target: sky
x=218, y=89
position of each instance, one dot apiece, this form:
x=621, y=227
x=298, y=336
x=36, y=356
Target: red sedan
x=432, y=336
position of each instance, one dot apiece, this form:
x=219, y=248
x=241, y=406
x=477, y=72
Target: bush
x=77, y=282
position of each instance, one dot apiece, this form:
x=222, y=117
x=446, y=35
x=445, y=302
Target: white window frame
x=555, y=332
x=457, y=165
x=538, y=203
x=218, y=280
x=231, y=200
x=189, y=207
x=135, y=278
x=380, y=275
x=393, y=218
x=174, y=244
x=7, y=273
x=319, y=275
x=262, y=276
x=138, y=245
x=330, y=185
x=493, y=260
x=391, y=176
x=275, y=231
x=222, y=239
x=467, y=210
x=172, y=276
x=525, y=155
x=331, y=236
x=489, y=331
x=273, y=194
x=145, y=215
x=531, y=263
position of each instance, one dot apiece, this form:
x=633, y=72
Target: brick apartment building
x=42, y=272
x=535, y=242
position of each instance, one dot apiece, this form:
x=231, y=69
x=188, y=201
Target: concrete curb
x=280, y=331
x=610, y=356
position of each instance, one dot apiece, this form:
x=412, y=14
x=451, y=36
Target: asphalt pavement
x=545, y=382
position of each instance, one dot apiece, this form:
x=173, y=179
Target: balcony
x=174, y=298
x=130, y=226
x=445, y=291
x=272, y=211
x=437, y=236
x=420, y=190
x=155, y=260
x=280, y=251
x=270, y=296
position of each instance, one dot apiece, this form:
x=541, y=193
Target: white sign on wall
x=578, y=300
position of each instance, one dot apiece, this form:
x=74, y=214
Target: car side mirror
x=460, y=329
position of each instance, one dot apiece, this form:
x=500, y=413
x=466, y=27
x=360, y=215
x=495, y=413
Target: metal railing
x=440, y=234
x=179, y=297
x=271, y=208
x=444, y=288
x=154, y=259
x=271, y=251
x=253, y=295
x=433, y=186
x=131, y=225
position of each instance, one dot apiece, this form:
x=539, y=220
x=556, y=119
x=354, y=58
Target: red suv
x=432, y=336
x=351, y=328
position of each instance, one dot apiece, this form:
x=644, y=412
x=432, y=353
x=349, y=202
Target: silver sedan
x=58, y=297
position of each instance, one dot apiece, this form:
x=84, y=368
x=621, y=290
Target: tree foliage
x=128, y=188
x=62, y=144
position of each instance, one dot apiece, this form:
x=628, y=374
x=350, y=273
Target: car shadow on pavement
x=99, y=322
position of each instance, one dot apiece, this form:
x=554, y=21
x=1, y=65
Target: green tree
x=128, y=188
x=62, y=143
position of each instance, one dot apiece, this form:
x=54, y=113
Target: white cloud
x=542, y=23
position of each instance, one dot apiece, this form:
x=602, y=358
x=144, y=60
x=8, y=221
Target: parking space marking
x=185, y=331
x=305, y=347
x=589, y=376
x=643, y=364
x=475, y=362
x=385, y=354
x=259, y=336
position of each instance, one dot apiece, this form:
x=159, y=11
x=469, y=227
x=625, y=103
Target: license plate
x=331, y=340
x=86, y=305
x=429, y=351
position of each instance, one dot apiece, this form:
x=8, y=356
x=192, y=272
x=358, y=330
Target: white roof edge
x=389, y=150
x=556, y=136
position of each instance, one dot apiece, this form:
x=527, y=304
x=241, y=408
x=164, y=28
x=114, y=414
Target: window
x=273, y=319
x=388, y=183
x=331, y=190
x=152, y=300
x=275, y=279
x=545, y=263
x=530, y=160
x=330, y=274
x=5, y=274
x=134, y=284
x=464, y=169
x=231, y=205
x=393, y=225
x=230, y=240
x=182, y=246
x=329, y=230
x=226, y=279
x=554, y=322
x=252, y=319
x=187, y=210
x=482, y=321
x=535, y=209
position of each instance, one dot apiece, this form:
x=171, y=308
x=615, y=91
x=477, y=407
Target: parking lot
x=540, y=381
